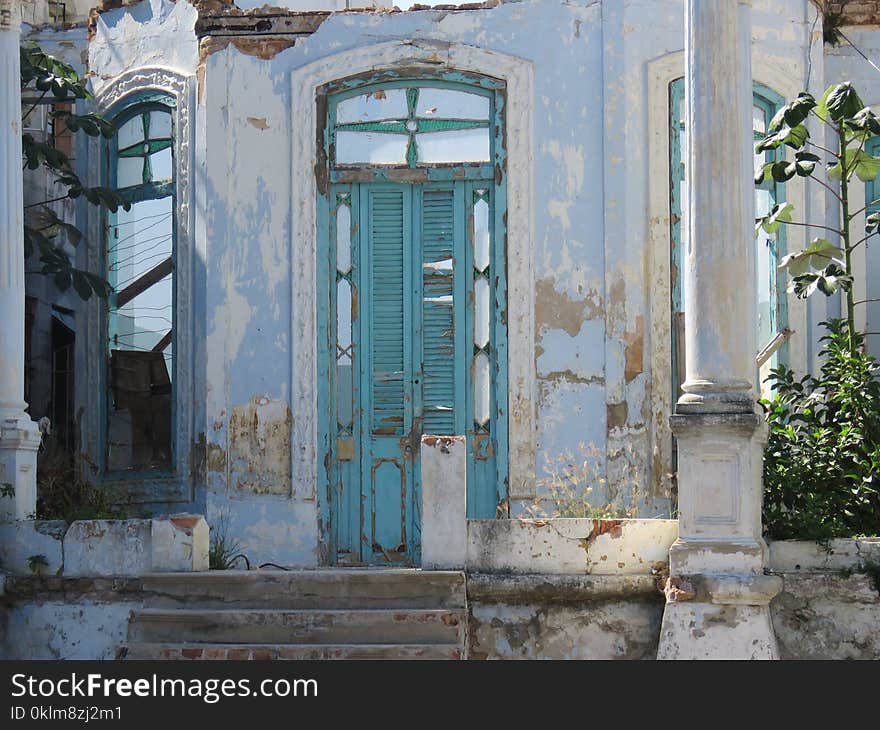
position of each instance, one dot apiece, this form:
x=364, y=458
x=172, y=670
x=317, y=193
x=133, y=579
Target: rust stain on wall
x=602, y=527
x=259, y=447
x=555, y=310
x=634, y=350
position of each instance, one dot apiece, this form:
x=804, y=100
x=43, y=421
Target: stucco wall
x=600, y=242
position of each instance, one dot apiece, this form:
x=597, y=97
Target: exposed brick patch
x=855, y=12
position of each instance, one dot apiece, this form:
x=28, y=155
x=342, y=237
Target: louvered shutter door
x=387, y=310
x=438, y=311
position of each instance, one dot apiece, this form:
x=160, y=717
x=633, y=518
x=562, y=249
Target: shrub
x=822, y=461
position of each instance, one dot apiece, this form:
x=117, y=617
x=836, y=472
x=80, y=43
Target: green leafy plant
x=45, y=234
x=62, y=494
x=7, y=490
x=223, y=551
x=569, y=485
x=37, y=564
x=826, y=264
x=822, y=461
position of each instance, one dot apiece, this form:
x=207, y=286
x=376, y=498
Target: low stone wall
x=830, y=604
x=178, y=543
x=829, y=607
x=563, y=617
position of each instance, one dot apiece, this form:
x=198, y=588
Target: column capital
x=10, y=15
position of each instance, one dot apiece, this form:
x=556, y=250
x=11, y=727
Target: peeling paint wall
x=595, y=314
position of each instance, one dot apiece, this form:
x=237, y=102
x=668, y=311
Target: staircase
x=306, y=614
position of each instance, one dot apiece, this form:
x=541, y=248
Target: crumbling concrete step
x=288, y=651
x=358, y=588
x=443, y=626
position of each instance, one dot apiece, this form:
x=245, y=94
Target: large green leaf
x=779, y=214
x=828, y=281
x=793, y=113
x=863, y=125
x=815, y=257
x=49, y=224
x=794, y=137
x=865, y=166
x=840, y=101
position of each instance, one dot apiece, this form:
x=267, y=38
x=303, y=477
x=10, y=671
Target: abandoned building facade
x=386, y=275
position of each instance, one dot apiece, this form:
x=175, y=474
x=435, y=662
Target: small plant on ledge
x=569, y=484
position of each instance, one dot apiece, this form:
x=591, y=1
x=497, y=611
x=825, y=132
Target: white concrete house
x=386, y=273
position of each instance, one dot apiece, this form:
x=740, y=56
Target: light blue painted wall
x=591, y=222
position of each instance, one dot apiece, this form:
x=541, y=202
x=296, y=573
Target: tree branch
x=812, y=225
x=862, y=210
x=36, y=103
x=45, y=202
x=826, y=186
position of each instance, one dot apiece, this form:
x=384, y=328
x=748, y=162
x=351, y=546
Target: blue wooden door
x=401, y=371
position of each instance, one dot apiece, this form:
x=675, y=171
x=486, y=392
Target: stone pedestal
x=444, y=502
x=717, y=596
x=19, y=436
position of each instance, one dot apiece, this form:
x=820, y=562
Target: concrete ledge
x=842, y=554
x=61, y=589
x=25, y=538
x=178, y=543
x=569, y=546
x=539, y=589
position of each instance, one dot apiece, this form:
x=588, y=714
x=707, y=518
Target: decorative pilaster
x=717, y=594
x=19, y=435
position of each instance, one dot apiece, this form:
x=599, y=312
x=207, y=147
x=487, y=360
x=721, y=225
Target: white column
x=19, y=435
x=717, y=595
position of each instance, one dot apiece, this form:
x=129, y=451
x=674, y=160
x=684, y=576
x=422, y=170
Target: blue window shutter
x=387, y=310
x=438, y=311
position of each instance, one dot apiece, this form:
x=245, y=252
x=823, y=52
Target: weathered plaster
x=85, y=630
x=587, y=226
x=259, y=447
x=605, y=630
x=569, y=546
x=153, y=33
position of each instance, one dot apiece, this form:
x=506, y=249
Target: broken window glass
x=139, y=260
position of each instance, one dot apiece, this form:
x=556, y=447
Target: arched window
x=139, y=262
x=412, y=271
x=770, y=287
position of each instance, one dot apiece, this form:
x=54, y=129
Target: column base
x=19, y=441
x=719, y=617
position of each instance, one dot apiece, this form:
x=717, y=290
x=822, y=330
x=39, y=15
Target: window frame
x=118, y=116
x=188, y=468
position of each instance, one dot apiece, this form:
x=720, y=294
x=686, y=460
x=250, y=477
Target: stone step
x=357, y=588
x=151, y=651
x=261, y=626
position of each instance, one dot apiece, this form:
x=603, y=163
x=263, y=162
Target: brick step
x=358, y=588
x=153, y=651
x=262, y=626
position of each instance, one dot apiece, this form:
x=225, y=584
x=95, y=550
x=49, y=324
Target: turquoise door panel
x=401, y=322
